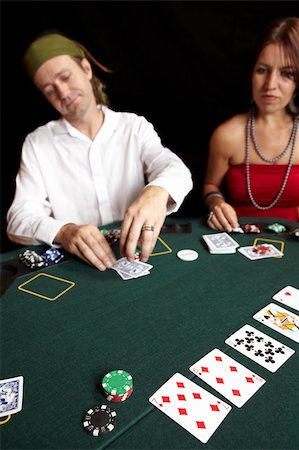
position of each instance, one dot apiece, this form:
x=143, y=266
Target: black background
x=184, y=65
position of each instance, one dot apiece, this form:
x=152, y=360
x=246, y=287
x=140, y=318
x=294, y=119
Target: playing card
x=280, y=320
x=251, y=254
x=220, y=243
x=133, y=269
x=289, y=296
x=125, y=276
x=192, y=407
x=11, y=395
x=234, y=381
x=260, y=347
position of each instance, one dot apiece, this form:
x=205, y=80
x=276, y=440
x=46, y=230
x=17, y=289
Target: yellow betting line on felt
x=2, y=422
x=71, y=283
x=271, y=240
x=169, y=250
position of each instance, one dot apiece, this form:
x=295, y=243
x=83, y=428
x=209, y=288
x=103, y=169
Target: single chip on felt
x=294, y=234
x=262, y=249
x=276, y=227
x=99, y=420
x=251, y=228
x=187, y=255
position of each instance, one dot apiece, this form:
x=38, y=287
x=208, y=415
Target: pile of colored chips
x=251, y=228
x=99, y=420
x=276, y=227
x=35, y=261
x=112, y=236
x=117, y=385
x=262, y=249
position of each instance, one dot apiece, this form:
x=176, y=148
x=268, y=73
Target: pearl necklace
x=292, y=141
x=255, y=144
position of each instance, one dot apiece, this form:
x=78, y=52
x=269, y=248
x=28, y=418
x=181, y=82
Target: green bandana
x=47, y=47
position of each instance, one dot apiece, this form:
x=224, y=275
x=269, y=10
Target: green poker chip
x=276, y=227
x=117, y=382
x=105, y=232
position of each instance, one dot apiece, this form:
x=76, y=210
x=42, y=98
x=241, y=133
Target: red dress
x=265, y=182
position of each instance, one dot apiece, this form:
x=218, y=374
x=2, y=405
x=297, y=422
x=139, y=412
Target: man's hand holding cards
x=131, y=269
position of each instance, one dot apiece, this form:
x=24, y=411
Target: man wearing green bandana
x=91, y=167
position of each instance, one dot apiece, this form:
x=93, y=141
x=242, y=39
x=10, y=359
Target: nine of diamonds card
x=230, y=378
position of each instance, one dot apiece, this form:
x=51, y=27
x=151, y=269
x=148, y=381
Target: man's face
x=66, y=85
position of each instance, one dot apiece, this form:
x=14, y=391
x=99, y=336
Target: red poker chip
x=262, y=249
x=251, y=228
x=118, y=398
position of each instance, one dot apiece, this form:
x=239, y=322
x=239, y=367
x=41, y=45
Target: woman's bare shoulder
x=231, y=128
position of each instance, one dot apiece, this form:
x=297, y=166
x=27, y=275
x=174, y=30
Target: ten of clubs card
x=280, y=320
x=191, y=406
x=260, y=347
x=234, y=381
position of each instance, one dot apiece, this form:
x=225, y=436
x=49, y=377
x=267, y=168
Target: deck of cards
x=220, y=243
x=129, y=270
x=11, y=395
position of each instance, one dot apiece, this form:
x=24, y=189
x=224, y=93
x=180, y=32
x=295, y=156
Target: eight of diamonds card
x=280, y=320
x=289, y=296
x=192, y=407
x=11, y=395
x=260, y=347
x=234, y=381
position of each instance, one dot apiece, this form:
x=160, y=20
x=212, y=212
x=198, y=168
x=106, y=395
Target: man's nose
x=62, y=90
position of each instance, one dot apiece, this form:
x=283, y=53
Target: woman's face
x=273, y=80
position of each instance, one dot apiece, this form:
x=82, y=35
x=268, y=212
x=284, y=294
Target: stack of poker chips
x=251, y=228
x=117, y=385
x=52, y=256
x=276, y=228
x=112, y=236
x=32, y=260
x=35, y=261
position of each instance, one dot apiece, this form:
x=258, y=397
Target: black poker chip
x=294, y=234
x=99, y=420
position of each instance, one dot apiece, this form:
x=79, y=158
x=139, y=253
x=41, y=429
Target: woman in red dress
x=257, y=154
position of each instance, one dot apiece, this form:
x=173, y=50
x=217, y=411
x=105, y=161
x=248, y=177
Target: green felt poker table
x=152, y=327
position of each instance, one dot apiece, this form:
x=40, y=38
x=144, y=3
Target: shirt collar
x=110, y=124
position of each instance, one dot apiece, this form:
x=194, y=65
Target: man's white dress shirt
x=66, y=177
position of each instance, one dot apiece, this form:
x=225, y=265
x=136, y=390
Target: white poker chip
x=187, y=255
